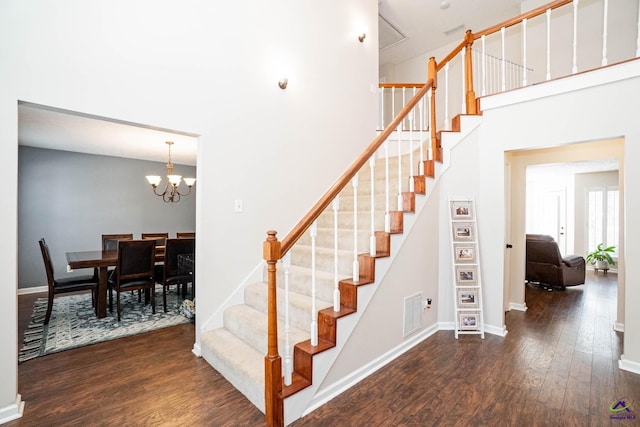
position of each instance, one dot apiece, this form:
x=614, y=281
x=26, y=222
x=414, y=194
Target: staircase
x=237, y=350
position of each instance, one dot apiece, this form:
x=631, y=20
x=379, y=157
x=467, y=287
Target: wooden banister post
x=274, y=406
x=471, y=95
x=433, y=76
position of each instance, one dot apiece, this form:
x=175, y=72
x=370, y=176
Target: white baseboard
x=33, y=290
x=517, y=306
x=196, y=350
x=628, y=365
x=618, y=327
x=496, y=330
x=13, y=411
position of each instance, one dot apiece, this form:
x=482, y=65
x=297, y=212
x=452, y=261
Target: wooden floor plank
x=557, y=366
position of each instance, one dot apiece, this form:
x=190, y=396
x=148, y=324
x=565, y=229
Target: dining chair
x=187, y=235
x=134, y=269
x=172, y=274
x=110, y=241
x=158, y=237
x=65, y=285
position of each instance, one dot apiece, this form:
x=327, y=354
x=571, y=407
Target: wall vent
x=388, y=35
x=412, y=314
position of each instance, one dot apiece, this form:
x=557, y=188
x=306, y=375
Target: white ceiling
x=428, y=24
x=422, y=25
x=52, y=128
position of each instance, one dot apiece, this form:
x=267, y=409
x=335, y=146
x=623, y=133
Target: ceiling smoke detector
x=444, y=4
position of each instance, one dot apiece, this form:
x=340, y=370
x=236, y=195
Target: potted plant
x=601, y=257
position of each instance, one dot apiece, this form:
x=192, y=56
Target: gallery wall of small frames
x=466, y=266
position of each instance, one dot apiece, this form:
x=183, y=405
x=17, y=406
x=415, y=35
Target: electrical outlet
x=237, y=206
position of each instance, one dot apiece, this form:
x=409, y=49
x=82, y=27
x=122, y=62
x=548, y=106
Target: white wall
x=599, y=106
x=71, y=199
x=211, y=69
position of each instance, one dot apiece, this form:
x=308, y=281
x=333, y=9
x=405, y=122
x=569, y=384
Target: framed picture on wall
x=463, y=231
x=466, y=275
x=461, y=209
x=468, y=298
x=464, y=254
x=469, y=320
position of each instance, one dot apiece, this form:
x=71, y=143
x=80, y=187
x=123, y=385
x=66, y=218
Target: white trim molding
x=618, y=327
x=628, y=365
x=517, y=306
x=33, y=290
x=13, y=411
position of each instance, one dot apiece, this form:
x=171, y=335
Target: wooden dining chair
x=110, y=241
x=66, y=285
x=186, y=235
x=172, y=274
x=135, y=269
x=160, y=238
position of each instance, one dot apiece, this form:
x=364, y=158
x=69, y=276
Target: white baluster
x=524, y=52
x=381, y=90
x=393, y=103
x=287, y=362
x=411, y=120
x=356, y=263
x=445, y=125
x=399, y=174
x=429, y=113
x=387, y=215
x=421, y=164
x=503, y=69
x=314, y=312
x=548, y=44
x=404, y=102
x=372, y=237
x=605, y=32
x=336, y=289
x=463, y=60
x=574, y=69
x=484, y=66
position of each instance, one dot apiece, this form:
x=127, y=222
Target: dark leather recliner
x=545, y=264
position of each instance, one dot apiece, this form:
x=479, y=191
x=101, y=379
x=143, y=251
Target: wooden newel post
x=433, y=76
x=472, y=107
x=274, y=407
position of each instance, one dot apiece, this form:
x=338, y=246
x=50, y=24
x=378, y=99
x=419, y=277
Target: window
x=603, y=214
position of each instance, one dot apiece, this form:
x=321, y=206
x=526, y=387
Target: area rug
x=74, y=323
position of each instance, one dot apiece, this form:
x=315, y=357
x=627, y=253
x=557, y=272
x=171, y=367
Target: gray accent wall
x=71, y=199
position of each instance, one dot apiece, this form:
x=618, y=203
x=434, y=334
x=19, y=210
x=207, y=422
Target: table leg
x=102, y=292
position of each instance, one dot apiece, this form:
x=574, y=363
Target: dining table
x=101, y=260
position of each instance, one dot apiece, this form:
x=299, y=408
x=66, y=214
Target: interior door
x=554, y=215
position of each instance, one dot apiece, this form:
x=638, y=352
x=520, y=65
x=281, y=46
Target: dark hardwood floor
x=558, y=366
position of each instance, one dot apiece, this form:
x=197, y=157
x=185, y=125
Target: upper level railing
x=518, y=52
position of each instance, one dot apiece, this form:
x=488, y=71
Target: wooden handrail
x=290, y=239
x=514, y=21
x=451, y=55
x=406, y=85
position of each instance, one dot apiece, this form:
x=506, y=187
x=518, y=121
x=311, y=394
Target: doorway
x=566, y=216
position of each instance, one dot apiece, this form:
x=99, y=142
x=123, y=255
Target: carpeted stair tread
x=241, y=364
x=299, y=305
x=300, y=281
x=250, y=325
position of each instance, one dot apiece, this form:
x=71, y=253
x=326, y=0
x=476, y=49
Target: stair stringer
x=307, y=399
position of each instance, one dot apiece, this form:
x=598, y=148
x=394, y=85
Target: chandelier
x=171, y=192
